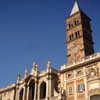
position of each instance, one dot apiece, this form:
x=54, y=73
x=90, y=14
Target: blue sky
x=34, y=30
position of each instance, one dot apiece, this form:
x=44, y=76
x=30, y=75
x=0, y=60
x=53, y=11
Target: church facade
x=79, y=79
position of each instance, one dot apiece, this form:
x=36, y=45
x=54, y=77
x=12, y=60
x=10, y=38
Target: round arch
x=30, y=80
x=31, y=89
x=43, y=90
x=21, y=94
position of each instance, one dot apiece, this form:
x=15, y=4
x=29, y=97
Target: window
x=80, y=88
x=70, y=75
x=70, y=90
x=79, y=73
x=71, y=37
x=76, y=22
x=77, y=34
x=69, y=26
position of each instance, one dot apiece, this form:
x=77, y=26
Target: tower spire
x=75, y=8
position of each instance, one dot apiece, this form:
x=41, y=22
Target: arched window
x=95, y=97
x=43, y=90
x=21, y=95
x=31, y=90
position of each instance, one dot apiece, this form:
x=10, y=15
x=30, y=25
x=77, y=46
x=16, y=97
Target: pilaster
x=85, y=83
x=36, y=90
x=27, y=97
x=75, y=86
x=25, y=92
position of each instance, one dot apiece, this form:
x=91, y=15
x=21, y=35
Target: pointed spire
x=75, y=8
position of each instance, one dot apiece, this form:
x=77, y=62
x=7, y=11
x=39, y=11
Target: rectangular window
x=80, y=88
x=70, y=90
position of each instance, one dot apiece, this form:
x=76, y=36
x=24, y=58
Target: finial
x=34, y=63
x=18, y=77
x=49, y=64
x=35, y=66
x=26, y=73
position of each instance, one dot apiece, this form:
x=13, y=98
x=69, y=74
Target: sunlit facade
x=78, y=79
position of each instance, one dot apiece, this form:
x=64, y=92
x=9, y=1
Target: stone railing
x=85, y=59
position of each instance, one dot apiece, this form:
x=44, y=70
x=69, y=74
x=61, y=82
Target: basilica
x=78, y=79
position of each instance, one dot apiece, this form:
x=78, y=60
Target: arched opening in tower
x=31, y=90
x=42, y=90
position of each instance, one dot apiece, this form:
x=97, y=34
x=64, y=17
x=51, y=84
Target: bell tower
x=79, y=35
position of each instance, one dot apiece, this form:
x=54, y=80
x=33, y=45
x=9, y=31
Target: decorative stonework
x=92, y=72
x=77, y=80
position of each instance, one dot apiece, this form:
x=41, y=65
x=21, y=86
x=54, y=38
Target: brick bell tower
x=79, y=35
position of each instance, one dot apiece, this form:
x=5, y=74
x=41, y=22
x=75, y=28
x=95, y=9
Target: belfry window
x=20, y=95
x=68, y=26
x=43, y=90
x=71, y=37
x=77, y=34
x=76, y=22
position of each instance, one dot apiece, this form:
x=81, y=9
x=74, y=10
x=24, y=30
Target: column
x=85, y=83
x=25, y=91
x=75, y=86
x=17, y=92
x=48, y=87
x=38, y=97
x=27, y=94
x=35, y=93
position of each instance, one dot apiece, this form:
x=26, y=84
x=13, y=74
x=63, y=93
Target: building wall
x=7, y=95
x=86, y=75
